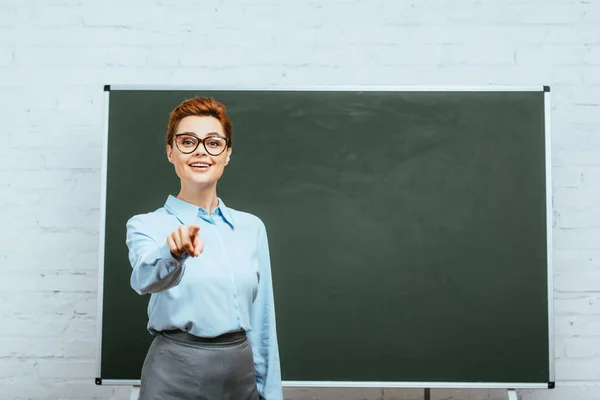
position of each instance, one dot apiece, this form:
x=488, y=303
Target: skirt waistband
x=226, y=338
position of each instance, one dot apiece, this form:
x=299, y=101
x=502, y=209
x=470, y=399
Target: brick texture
x=56, y=55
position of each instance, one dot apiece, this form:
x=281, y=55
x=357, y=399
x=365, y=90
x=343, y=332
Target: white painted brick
x=58, y=100
x=580, y=238
x=564, y=391
x=259, y=37
x=572, y=34
x=55, y=327
x=502, y=75
x=579, y=136
x=567, y=177
x=254, y=75
x=329, y=393
x=582, y=348
x=398, y=34
x=102, y=36
x=577, y=304
x=83, y=56
x=591, y=176
x=42, y=179
x=124, y=17
x=557, y=13
x=581, y=113
x=92, y=75
x=577, y=325
x=164, y=56
x=23, y=348
x=571, y=54
x=577, y=281
x=12, y=368
x=66, y=369
x=406, y=55
x=590, y=75
x=82, y=199
x=587, y=218
x=76, y=158
x=566, y=75
x=473, y=54
x=504, y=34
x=37, y=110
x=584, y=95
x=559, y=348
x=193, y=18
x=44, y=389
x=592, y=55
x=62, y=259
x=48, y=303
x=592, y=13
x=578, y=369
x=48, y=281
x=88, y=102
x=65, y=216
x=6, y=55
x=213, y=56
x=574, y=259
x=35, y=139
x=582, y=198
x=63, y=16
x=56, y=243
x=81, y=349
x=10, y=16
x=587, y=158
x=68, y=217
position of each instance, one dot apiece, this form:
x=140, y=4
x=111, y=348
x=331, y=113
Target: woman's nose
x=200, y=150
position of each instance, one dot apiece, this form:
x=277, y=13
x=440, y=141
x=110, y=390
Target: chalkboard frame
x=363, y=88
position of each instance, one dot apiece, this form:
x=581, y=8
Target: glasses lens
x=186, y=143
x=214, y=145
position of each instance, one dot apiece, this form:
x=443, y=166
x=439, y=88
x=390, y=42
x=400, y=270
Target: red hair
x=202, y=107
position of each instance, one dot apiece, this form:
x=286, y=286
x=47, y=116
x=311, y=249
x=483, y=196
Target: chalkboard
x=409, y=229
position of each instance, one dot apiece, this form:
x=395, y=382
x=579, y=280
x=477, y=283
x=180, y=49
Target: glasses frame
x=201, y=141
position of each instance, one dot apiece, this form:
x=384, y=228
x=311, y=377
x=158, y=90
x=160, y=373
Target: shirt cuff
x=170, y=260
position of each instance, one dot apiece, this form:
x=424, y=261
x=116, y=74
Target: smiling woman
x=207, y=269
x=195, y=164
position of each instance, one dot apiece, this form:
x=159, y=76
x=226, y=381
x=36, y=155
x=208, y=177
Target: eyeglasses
x=214, y=145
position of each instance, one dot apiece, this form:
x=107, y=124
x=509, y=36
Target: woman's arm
x=263, y=335
x=154, y=267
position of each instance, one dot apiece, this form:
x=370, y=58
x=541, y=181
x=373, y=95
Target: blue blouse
x=228, y=287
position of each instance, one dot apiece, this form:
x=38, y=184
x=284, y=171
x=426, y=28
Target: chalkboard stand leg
x=512, y=394
x=427, y=394
x=135, y=393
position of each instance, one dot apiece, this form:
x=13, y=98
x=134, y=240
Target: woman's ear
x=170, y=153
x=228, y=156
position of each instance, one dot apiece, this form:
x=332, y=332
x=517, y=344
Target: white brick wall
x=55, y=56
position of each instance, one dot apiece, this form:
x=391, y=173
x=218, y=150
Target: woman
x=207, y=269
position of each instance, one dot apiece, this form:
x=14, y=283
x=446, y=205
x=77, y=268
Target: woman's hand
x=186, y=239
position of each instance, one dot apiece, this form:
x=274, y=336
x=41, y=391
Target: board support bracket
x=135, y=393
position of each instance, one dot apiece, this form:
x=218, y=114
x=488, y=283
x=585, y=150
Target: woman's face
x=198, y=167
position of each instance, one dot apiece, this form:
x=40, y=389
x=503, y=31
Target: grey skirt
x=179, y=366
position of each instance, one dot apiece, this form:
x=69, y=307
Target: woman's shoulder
x=150, y=218
x=247, y=219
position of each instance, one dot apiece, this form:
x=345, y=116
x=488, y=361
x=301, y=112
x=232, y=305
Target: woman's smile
x=201, y=166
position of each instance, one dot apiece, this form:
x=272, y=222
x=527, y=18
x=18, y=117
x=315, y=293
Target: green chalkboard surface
x=408, y=228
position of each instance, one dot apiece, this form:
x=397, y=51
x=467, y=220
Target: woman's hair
x=202, y=107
